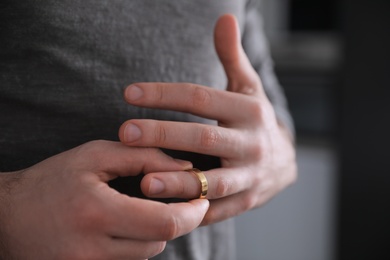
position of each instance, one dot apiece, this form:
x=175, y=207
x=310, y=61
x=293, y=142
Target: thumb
x=242, y=78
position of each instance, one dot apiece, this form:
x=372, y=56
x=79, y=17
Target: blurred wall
x=364, y=212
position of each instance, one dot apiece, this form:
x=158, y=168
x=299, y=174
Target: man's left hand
x=257, y=152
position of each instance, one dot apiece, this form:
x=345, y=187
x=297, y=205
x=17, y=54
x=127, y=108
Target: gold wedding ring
x=203, y=181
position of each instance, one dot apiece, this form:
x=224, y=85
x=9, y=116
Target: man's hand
x=62, y=208
x=257, y=153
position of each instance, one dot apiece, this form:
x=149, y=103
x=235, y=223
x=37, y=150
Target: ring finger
x=221, y=183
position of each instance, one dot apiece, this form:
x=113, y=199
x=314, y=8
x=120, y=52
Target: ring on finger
x=203, y=181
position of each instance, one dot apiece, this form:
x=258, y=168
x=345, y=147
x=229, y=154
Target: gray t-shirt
x=64, y=65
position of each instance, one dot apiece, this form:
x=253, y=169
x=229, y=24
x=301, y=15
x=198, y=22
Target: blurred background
x=332, y=58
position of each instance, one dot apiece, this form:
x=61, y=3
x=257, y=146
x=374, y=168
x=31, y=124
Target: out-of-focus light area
x=307, y=47
x=321, y=51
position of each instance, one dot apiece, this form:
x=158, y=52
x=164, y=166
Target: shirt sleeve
x=256, y=47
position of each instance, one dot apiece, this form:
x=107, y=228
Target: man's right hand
x=62, y=208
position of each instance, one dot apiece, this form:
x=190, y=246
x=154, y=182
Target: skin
x=256, y=151
x=62, y=208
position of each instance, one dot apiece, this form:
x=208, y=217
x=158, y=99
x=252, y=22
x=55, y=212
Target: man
x=63, y=69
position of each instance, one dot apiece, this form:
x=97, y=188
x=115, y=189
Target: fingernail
x=156, y=186
x=185, y=164
x=133, y=93
x=132, y=133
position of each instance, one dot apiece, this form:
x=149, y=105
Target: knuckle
x=261, y=111
x=92, y=149
x=89, y=148
x=201, y=97
x=249, y=89
x=256, y=109
x=256, y=150
x=181, y=186
x=158, y=94
x=96, y=153
x=223, y=188
x=160, y=135
x=209, y=137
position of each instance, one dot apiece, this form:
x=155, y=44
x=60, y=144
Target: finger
x=113, y=159
x=221, y=183
x=239, y=71
x=140, y=219
x=228, y=207
x=119, y=248
x=226, y=107
x=191, y=137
